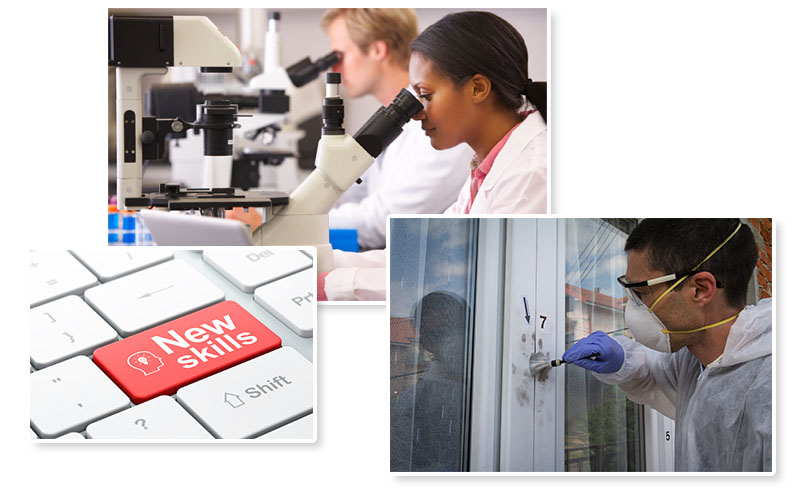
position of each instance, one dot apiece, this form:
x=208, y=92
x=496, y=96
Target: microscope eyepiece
x=406, y=103
x=304, y=71
x=328, y=60
x=387, y=123
x=332, y=106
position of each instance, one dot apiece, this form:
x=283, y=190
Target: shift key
x=159, y=361
x=253, y=398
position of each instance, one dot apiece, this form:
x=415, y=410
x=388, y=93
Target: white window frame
x=505, y=436
x=487, y=353
x=517, y=423
x=659, y=441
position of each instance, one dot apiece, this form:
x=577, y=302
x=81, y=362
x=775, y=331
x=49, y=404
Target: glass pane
x=602, y=428
x=432, y=267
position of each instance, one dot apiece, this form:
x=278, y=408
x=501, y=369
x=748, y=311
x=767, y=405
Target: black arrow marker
x=527, y=313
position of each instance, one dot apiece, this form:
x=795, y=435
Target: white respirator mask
x=645, y=327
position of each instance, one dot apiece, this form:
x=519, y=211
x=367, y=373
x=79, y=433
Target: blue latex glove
x=598, y=352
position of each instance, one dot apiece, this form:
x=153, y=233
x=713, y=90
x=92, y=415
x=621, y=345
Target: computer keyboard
x=159, y=343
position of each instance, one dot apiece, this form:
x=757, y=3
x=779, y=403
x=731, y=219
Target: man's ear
x=703, y=286
x=480, y=88
x=378, y=50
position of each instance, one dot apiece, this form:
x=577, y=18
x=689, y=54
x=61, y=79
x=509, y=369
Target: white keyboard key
x=33, y=435
x=292, y=301
x=72, y=436
x=159, y=418
x=254, y=397
x=251, y=267
x=299, y=429
x=156, y=295
x=65, y=328
x=112, y=263
x=55, y=274
x=70, y=395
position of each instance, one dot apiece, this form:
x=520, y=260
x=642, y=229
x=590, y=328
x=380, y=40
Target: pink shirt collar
x=478, y=173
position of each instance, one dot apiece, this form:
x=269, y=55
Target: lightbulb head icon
x=145, y=361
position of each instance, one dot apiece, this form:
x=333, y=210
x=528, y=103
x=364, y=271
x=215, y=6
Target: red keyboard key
x=163, y=359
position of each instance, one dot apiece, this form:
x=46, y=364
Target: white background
x=658, y=109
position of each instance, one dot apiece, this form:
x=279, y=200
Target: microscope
x=341, y=160
x=266, y=139
x=270, y=138
x=140, y=46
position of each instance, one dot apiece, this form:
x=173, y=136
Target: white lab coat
x=357, y=276
x=410, y=177
x=517, y=182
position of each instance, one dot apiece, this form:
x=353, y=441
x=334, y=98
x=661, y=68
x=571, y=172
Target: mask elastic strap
x=704, y=327
x=695, y=268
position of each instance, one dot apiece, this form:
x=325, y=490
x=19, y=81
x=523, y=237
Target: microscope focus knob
x=148, y=137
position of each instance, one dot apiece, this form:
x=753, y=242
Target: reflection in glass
x=432, y=262
x=602, y=428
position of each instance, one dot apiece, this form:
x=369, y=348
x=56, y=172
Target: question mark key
x=159, y=418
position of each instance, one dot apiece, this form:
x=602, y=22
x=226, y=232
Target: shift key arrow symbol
x=150, y=294
x=234, y=400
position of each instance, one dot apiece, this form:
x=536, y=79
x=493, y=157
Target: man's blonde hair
x=396, y=27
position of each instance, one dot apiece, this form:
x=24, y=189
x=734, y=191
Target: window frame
x=527, y=257
x=470, y=290
x=484, y=452
x=521, y=441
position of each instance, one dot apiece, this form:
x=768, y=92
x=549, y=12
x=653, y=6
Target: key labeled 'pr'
x=161, y=360
x=291, y=300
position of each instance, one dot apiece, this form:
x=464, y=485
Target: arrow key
x=153, y=296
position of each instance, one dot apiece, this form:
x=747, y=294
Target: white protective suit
x=410, y=177
x=517, y=181
x=723, y=413
x=357, y=276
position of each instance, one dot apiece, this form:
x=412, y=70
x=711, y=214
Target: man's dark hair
x=463, y=44
x=677, y=245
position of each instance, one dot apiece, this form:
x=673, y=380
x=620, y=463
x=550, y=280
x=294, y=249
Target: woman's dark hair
x=463, y=44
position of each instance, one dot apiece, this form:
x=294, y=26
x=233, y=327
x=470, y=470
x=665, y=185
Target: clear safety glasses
x=637, y=299
x=634, y=295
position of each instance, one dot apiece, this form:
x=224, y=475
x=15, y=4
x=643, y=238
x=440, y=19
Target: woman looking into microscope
x=470, y=70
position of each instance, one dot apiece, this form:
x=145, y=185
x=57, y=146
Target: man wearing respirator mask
x=686, y=286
